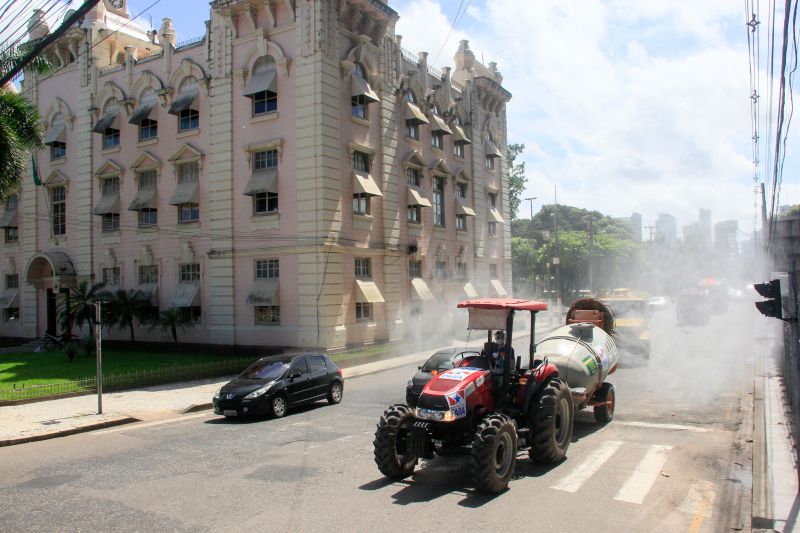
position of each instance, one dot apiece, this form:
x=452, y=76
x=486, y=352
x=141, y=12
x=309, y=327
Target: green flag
x=36, y=180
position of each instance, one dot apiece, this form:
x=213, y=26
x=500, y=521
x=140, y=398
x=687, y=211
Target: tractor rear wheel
x=494, y=453
x=551, y=418
x=390, y=442
x=605, y=413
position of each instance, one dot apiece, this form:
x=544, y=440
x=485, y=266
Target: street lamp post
x=531, y=199
x=557, y=263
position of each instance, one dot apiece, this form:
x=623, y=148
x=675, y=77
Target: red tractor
x=495, y=405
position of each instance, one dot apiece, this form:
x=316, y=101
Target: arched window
x=145, y=115
x=185, y=105
x=362, y=94
x=56, y=137
x=107, y=122
x=262, y=89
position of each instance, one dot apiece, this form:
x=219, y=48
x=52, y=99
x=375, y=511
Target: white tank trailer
x=585, y=355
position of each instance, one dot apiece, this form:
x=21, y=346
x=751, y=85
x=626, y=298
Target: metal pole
x=557, y=262
x=98, y=331
x=591, y=254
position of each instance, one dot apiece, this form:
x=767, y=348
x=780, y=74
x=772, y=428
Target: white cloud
x=625, y=105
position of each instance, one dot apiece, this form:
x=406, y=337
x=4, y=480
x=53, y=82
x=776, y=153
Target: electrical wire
x=459, y=13
x=22, y=31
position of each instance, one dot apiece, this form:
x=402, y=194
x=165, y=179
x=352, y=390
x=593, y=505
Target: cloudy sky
x=623, y=105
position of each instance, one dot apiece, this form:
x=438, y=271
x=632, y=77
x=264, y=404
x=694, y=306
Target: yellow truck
x=631, y=329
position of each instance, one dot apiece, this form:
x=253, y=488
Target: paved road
x=676, y=458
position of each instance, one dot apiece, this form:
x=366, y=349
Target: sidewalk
x=67, y=416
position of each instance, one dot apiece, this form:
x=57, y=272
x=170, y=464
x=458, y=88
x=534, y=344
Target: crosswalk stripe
x=582, y=472
x=647, y=471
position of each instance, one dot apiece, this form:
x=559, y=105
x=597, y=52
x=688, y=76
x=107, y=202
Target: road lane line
x=582, y=472
x=655, y=425
x=638, y=485
x=699, y=503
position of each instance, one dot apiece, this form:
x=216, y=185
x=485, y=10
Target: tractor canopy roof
x=504, y=304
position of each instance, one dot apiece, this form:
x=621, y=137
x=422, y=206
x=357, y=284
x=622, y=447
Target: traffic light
x=771, y=290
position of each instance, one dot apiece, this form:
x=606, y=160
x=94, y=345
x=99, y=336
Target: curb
x=66, y=432
x=196, y=407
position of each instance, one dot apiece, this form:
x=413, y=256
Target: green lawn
x=54, y=367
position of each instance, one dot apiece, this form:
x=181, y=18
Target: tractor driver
x=502, y=352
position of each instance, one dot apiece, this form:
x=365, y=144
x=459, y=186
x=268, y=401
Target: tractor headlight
x=432, y=414
x=259, y=391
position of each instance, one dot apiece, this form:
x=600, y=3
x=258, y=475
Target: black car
x=438, y=363
x=273, y=384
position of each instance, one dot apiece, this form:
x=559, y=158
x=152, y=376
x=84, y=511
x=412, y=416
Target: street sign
x=556, y=261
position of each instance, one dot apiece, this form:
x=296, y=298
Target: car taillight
x=339, y=371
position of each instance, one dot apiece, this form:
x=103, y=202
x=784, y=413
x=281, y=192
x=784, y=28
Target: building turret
x=166, y=34
x=37, y=25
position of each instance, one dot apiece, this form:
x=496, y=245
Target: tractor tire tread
x=385, y=443
x=482, y=457
x=544, y=448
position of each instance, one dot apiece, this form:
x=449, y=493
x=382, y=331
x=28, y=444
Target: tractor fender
x=541, y=377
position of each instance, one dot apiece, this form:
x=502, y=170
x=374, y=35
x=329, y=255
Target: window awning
x=8, y=298
x=491, y=149
x=414, y=114
x=265, y=180
x=186, y=295
x=264, y=292
x=56, y=133
x=469, y=290
x=437, y=124
x=9, y=219
x=361, y=88
x=498, y=287
x=109, y=203
x=185, y=193
x=106, y=120
x=420, y=290
x=495, y=215
x=183, y=101
x=368, y=292
x=142, y=112
x=365, y=184
x=459, y=137
x=144, y=199
x=262, y=81
x=463, y=209
x=150, y=291
x=415, y=198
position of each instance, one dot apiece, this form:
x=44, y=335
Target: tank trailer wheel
x=551, y=423
x=605, y=394
x=494, y=453
x=390, y=442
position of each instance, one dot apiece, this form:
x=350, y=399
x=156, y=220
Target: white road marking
x=581, y=473
x=655, y=425
x=142, y=425
x=638, y=485
x=342, y=439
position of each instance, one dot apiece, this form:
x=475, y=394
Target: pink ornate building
x=292, y=178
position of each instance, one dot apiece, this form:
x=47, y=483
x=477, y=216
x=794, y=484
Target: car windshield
x=627, y=309
x=265, y=370
x=439, y=360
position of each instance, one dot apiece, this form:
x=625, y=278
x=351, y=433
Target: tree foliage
x=172, y=320
x=516, y=178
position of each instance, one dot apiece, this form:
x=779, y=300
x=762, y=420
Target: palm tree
x=20, y=130
x=172, y=320
x=81, y=303
x=128, y=307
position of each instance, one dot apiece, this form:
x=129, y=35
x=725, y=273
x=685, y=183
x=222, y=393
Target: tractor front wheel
x=390, y=443
x=551, y=418
x=494, y=453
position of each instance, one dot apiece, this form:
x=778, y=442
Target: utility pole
x=557, y=263
x=98, y=332
x=531, y=199
x=591, y=253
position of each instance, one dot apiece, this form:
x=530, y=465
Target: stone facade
x=293, y=178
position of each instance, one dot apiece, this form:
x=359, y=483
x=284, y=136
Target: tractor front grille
x=435, y=402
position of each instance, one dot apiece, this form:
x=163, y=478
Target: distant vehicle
x=692, y=307
x=273, y=384
x=437, y=363
x=657, y=303
x=629, y=317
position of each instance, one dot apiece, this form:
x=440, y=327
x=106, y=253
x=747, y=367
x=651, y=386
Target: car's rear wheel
x=390, y=446
x=278, y=405
x=335, y=393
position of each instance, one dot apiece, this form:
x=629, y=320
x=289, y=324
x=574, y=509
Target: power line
x=452, y=27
